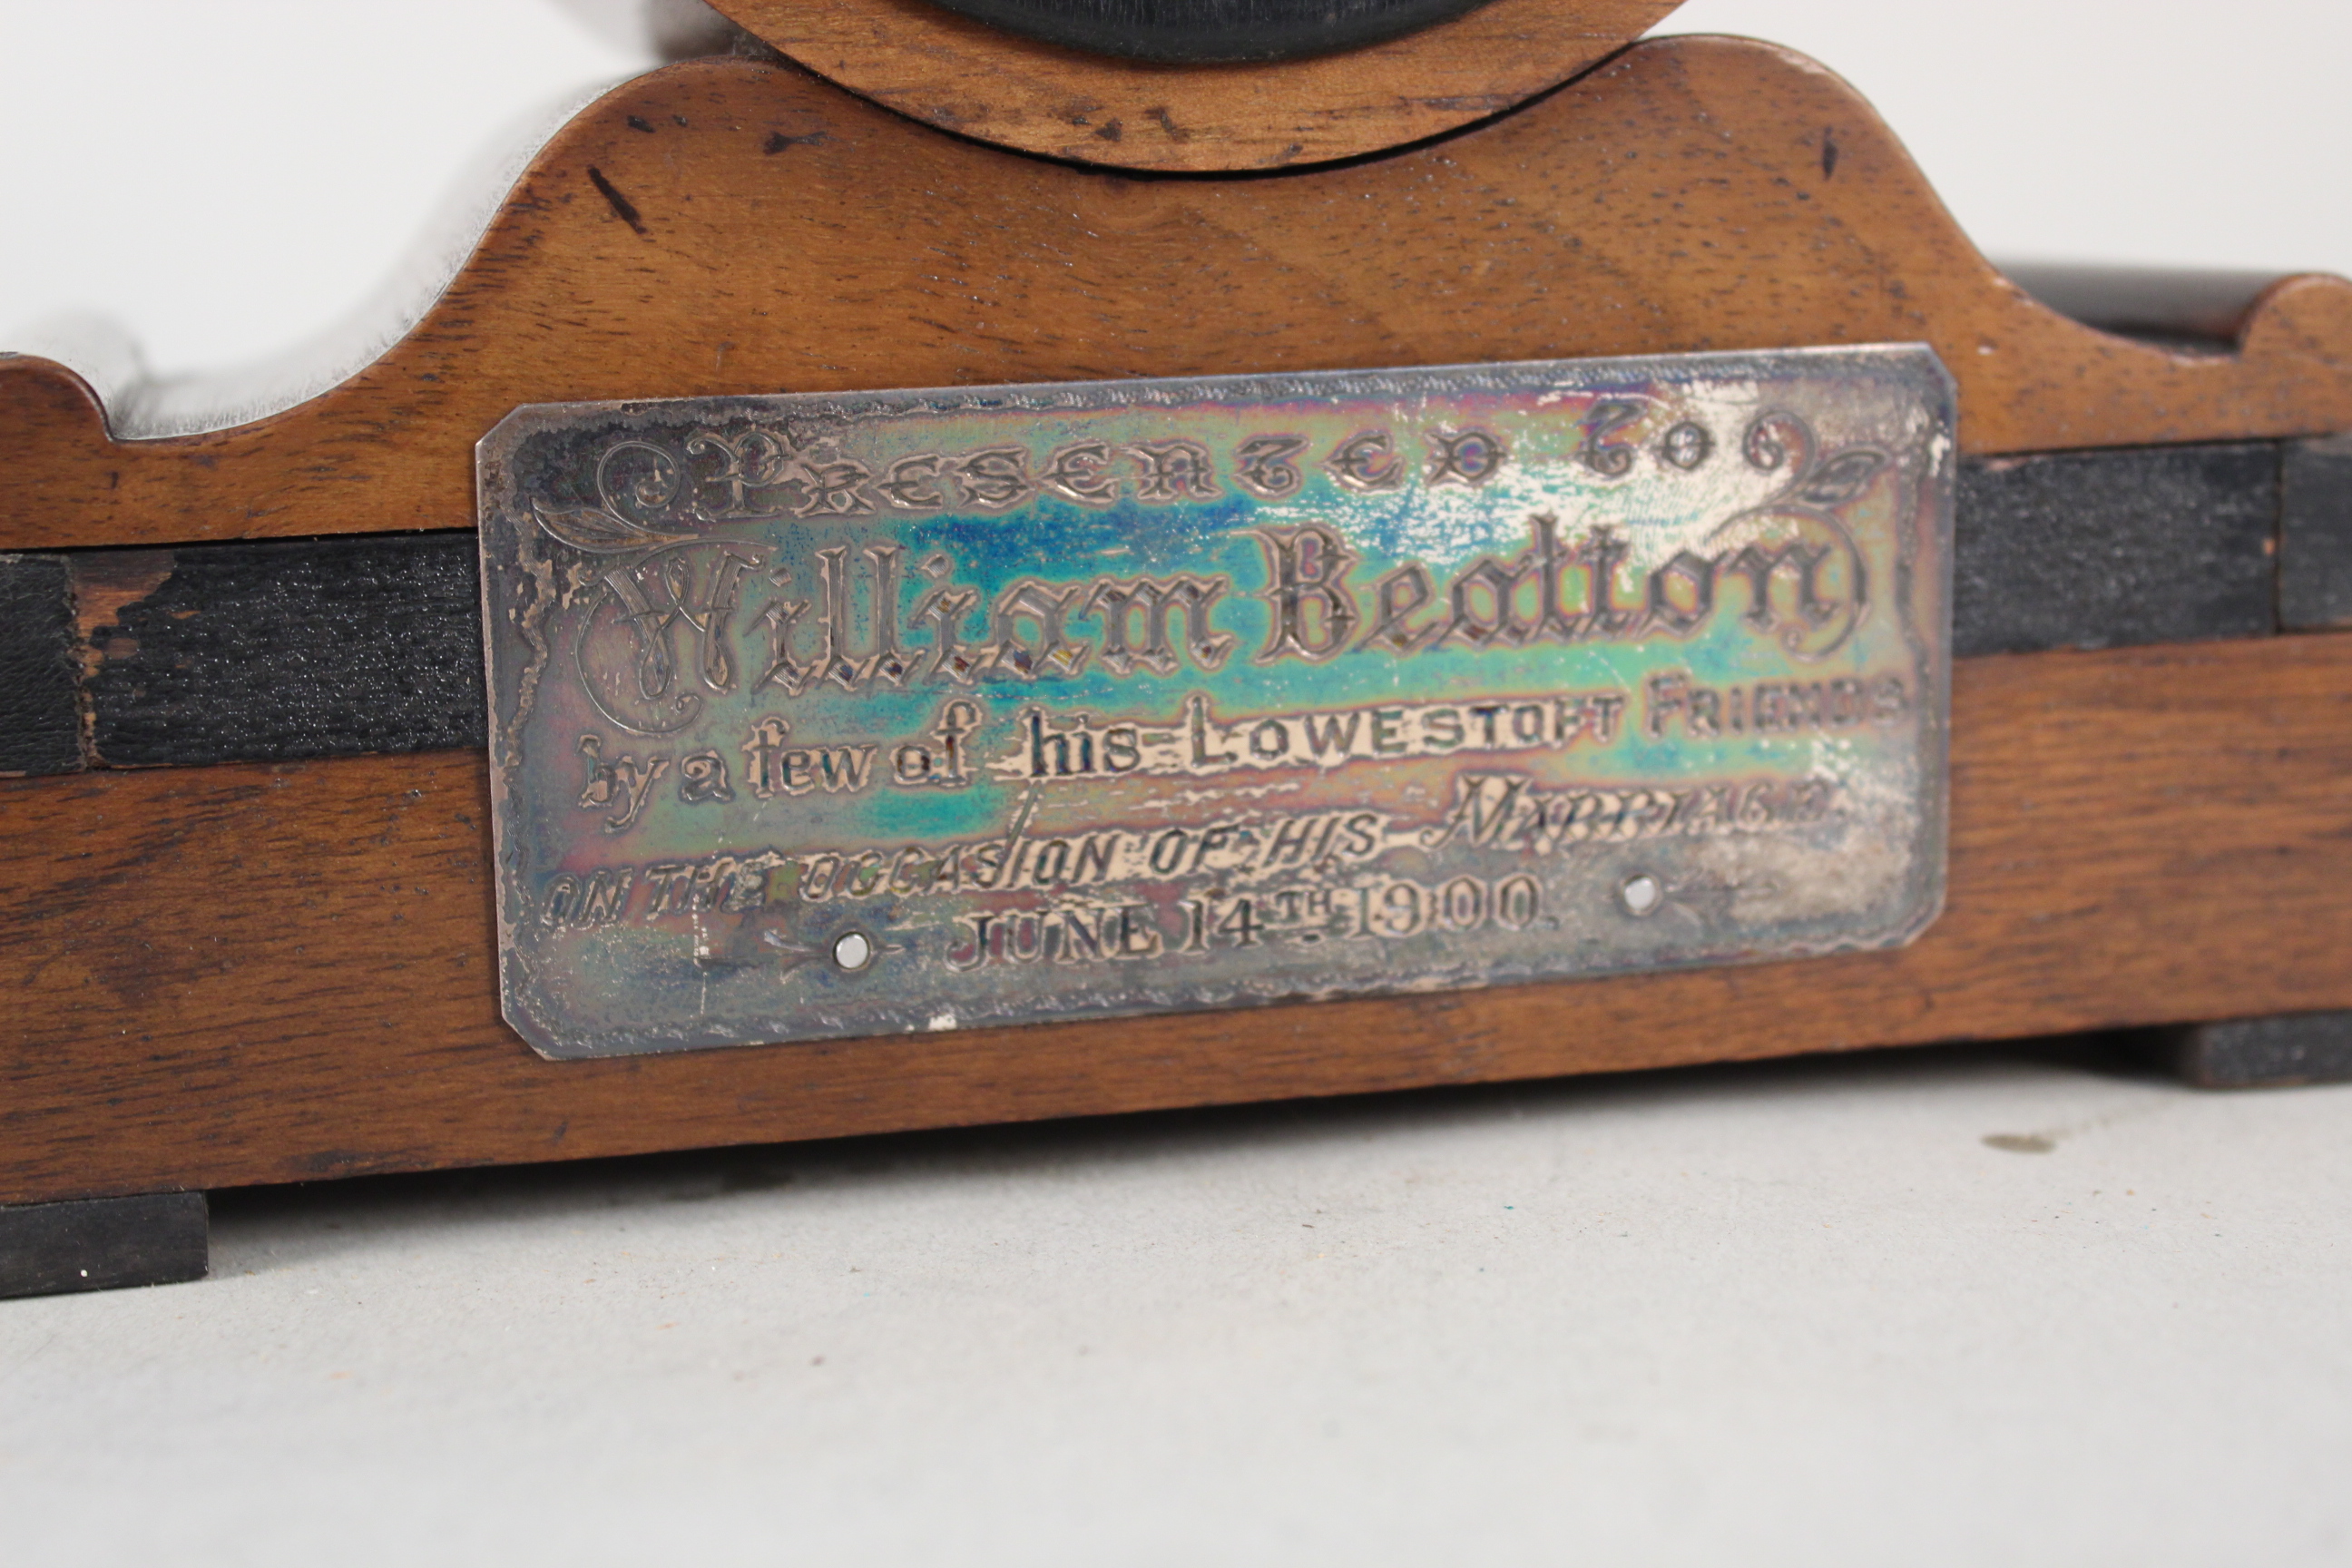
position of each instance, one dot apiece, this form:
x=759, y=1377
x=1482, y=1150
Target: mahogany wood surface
x=981, y=81
x=257, y=973
x=732, y=226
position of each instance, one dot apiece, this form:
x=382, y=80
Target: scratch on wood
x=621, y=205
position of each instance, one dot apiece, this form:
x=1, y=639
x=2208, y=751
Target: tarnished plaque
x=847, y=714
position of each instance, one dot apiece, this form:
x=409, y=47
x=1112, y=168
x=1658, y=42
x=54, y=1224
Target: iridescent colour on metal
x=829, y=715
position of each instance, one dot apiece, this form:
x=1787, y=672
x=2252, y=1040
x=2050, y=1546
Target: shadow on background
x=299, y=1224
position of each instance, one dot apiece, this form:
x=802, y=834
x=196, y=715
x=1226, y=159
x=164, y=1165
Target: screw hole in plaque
x=1641, y=895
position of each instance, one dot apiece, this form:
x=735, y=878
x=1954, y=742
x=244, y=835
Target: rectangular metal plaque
x=828, y=715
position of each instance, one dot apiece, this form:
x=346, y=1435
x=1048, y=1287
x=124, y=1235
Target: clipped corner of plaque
x=823, y=716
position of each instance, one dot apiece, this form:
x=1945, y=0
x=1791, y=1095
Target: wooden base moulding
x=252, y=973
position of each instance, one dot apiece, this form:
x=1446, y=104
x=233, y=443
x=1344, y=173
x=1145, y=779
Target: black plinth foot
x=103, y=1244
x=2263, y=1053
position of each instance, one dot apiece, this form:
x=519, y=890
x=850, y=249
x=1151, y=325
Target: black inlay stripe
x=372, y=643
x=272, y=652
x=2316, y=535
x=40, y=660
x=2109, y=549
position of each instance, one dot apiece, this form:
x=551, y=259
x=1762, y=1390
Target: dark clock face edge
x=1209, y=32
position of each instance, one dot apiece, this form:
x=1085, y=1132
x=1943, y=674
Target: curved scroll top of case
x=727, y=226
x=1194, y=112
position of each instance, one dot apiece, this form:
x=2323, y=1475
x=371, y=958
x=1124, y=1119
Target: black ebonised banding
x=2109, y=549
x=41, y=724
x=372, y=643
x=2316, y=535
x=274, y=652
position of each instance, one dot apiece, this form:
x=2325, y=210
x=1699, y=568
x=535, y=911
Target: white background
x=228, y=177
x=1796, y=1314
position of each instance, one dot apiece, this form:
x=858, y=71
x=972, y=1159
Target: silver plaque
x=831, y=715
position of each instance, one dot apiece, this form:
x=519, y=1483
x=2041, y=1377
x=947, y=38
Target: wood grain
x=730, y=226
x=253, y=974
x=980, y=81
